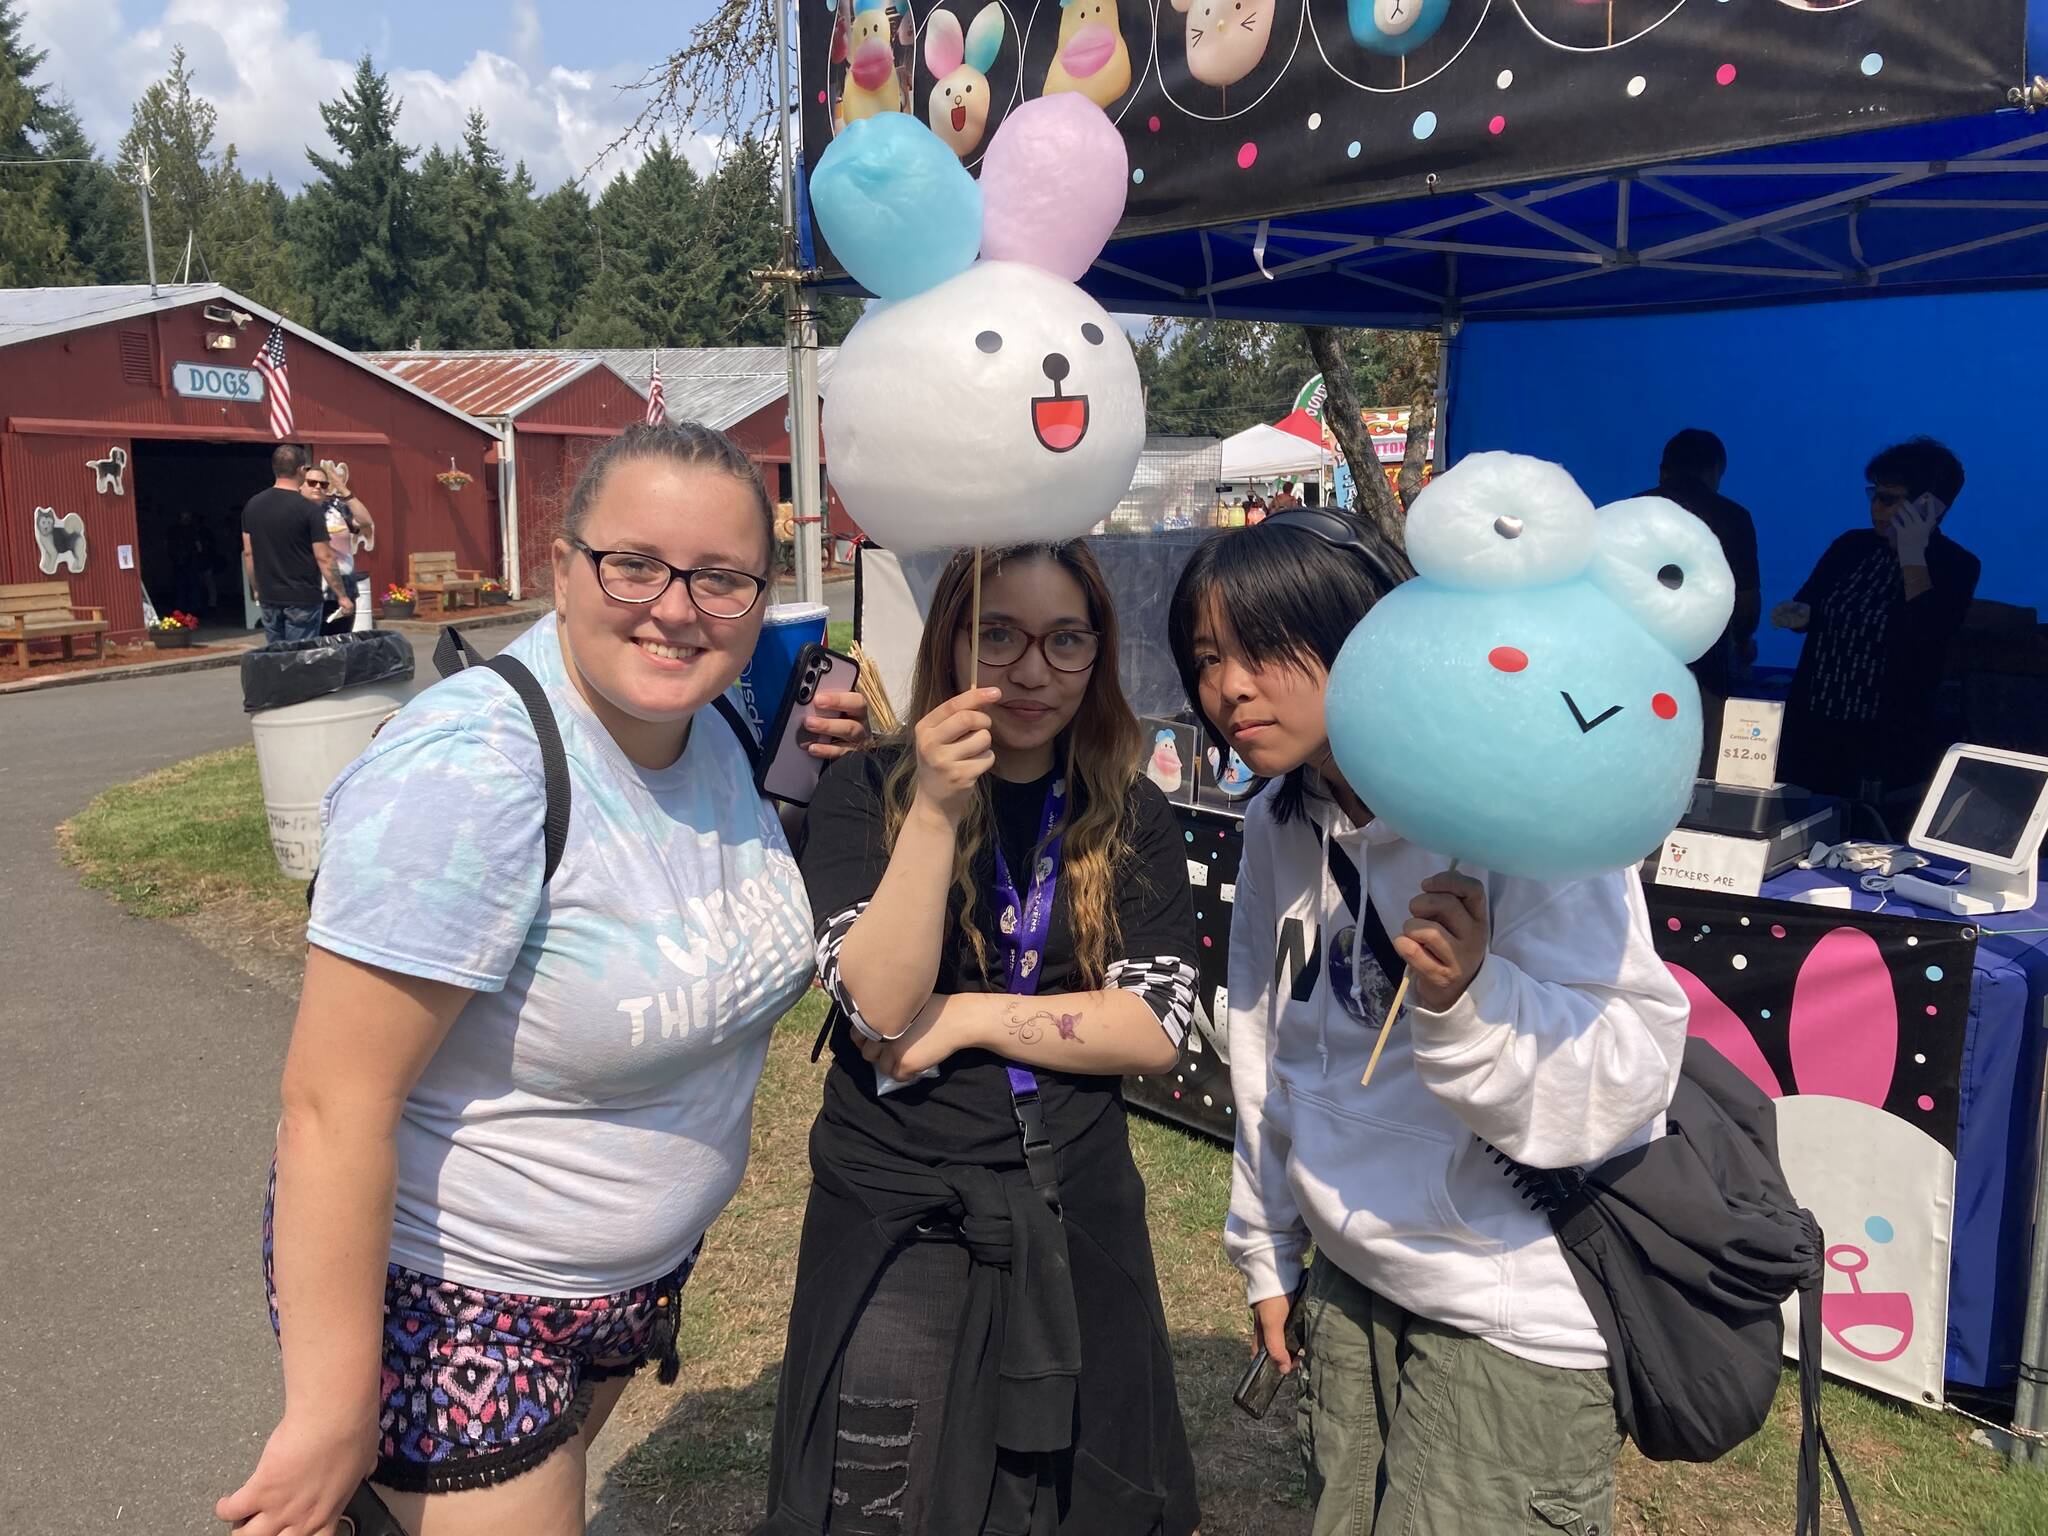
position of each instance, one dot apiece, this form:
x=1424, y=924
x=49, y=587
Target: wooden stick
x=974, y=627
x=1393, y=1009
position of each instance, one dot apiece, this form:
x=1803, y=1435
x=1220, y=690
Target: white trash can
x=325, y=701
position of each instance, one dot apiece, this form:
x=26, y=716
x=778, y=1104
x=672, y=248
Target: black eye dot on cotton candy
x=1092, y=334
x=989, y=341
x=1672, y=577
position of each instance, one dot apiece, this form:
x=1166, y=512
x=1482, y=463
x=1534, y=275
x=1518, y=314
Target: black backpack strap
x=453, y=654
x=1364, y=910
x=1813, y=1439
x=729, y=712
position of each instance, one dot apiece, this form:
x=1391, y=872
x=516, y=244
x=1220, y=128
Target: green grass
x=192, y=839
x=839, y=636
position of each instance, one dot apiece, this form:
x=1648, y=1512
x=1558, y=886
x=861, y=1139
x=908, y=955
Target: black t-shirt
x=283, y=527
x=964, y=1114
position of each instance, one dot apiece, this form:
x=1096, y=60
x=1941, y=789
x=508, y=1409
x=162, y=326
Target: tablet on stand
x=1987, y=808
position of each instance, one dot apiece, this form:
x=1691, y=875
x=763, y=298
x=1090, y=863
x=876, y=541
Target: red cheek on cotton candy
x=1505, y=658
x=1664, y=707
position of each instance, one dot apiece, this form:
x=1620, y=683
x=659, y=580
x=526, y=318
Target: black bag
x=1686, y=1250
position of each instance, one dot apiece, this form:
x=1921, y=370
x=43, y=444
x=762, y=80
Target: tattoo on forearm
x=1031, y=1027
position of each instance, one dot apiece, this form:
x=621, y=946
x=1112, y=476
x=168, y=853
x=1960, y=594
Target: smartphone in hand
x=1260, y=1383
x=788, y=770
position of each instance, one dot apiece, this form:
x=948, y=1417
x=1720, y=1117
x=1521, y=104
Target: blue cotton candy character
x=1396, y=26
x=1523, y=704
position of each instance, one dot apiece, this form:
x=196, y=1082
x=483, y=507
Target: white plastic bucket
x=301, y=750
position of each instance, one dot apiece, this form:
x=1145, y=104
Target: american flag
x=270, y=363
x=657, y=404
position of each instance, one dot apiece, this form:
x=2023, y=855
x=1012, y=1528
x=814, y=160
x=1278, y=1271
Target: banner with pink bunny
x=1233, y=110
x=1855, y=1024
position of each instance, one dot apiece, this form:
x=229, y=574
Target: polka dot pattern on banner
x=1878, y=1230
x=1777, y=931
x=1425, y=125
x=1498, y=126
x=1637, y=86
x=1673, y=924
x=1924, y=1102
x=1351, y=150
x=1740, y=962
x=1138, y=175
x=1247, y=156
x=1912, y=942
x=1932, y=1011
x=1504, y=79
x=1872, y=63
x=1315, y=121
x=1152, y=123
x=1935, y=973
x=1725, y=75
x=1919, y=1058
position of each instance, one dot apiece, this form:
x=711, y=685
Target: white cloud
x=268, y=79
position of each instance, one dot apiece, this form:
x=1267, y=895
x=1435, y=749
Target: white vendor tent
x=1265, y=453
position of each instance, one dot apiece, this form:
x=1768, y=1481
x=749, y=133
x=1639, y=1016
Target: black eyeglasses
x=633, y=577
x=1064, y=650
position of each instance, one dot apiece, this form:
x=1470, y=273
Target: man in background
x=1690, y=474
x=285, y=553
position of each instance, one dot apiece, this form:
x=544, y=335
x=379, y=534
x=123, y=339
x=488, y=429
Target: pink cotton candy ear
x=1052, y=185
x=944, y=46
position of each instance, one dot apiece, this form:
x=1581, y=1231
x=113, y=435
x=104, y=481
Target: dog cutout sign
x=60, y=542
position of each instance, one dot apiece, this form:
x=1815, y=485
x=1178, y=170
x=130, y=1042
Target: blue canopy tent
x=1590, y=313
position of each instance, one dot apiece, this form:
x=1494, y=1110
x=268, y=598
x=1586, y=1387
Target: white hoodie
x=1563, y=1051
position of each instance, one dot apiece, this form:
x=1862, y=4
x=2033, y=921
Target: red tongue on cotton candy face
x=959, y=119
x=1060, y=422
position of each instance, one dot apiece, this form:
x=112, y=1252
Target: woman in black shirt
x=977, y=1343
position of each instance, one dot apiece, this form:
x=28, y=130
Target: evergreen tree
x=565, y=241
x=610, y=312
x=172, y=133
x=356, y=226
x=476, y=288
x=100, y=213
x=33, y=244
x=743, y=212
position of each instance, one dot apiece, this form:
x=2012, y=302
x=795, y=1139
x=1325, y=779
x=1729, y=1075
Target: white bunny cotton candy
x=1001, y=406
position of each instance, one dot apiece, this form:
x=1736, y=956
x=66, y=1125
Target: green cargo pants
x=1409, y=1428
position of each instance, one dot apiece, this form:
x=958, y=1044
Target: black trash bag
x=299, y=670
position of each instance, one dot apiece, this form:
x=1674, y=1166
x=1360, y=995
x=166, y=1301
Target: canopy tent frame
x=1278, y=257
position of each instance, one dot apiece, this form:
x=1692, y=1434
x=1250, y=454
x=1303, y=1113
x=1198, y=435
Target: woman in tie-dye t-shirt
x=512, y=1105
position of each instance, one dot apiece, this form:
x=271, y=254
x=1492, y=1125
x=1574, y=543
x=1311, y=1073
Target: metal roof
x=29, y=314
x=718, y=386
x=499, y=385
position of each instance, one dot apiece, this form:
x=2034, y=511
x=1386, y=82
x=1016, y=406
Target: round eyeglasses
x=1064, y=650
x=633, y=577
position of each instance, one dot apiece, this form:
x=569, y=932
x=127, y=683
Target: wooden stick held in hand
x=974, y=628
x=1393, y=1009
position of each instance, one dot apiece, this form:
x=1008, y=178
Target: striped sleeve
x=1165, y=984
x=830, y=940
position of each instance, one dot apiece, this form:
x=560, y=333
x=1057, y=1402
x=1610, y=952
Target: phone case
x=1260, y=1383
x=788, y=772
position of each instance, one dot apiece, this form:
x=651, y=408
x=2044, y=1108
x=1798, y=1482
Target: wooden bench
x=43, y=610
x=435, y=573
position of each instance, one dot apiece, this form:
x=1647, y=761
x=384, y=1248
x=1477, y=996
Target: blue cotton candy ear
x=896, y=205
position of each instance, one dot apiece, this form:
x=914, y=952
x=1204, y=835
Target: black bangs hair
x=1292, y=596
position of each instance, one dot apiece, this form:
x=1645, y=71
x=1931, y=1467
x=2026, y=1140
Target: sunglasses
x=318, y=485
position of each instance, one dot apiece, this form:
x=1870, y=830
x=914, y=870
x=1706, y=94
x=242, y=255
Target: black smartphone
x=787, y=771
x=1261, y=1380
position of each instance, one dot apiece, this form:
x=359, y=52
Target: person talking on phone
x=1879, y=613
x=976, y=1342
x=521, y=1080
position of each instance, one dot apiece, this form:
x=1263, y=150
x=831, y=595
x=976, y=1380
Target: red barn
x=133, y=426
x=551, y=411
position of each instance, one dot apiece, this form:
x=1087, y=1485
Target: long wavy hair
x=1101, y=749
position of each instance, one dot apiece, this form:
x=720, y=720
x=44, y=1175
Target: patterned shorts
x=479, y=1386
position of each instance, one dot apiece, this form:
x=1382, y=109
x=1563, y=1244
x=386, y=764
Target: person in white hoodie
x=1454, y=1383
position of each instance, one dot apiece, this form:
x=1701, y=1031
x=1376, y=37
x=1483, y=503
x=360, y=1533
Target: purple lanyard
x=1023, y=925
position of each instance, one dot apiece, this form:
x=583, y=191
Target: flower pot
x=170, y=639
x=394, y=610
x=497, y=599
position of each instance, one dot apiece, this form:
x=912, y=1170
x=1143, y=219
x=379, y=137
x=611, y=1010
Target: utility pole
x=807, y=491
x=148, y=238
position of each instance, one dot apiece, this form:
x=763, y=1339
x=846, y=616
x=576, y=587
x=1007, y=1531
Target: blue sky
x=546, y=72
